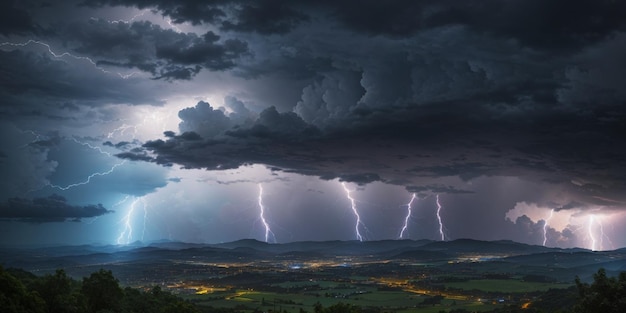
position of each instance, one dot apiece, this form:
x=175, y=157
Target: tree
x=605, y=294
x=59, y=292
x=14, y=298
x=102, y=291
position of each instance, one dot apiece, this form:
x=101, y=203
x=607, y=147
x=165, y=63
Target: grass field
x=507, y=286
x=400, y=301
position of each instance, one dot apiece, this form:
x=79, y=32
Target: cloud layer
x=45, y=210
x=433, y=97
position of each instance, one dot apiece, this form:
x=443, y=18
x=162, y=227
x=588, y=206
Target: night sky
x=144, y=120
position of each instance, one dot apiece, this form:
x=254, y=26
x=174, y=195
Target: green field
x=400, y=301
x=506, y=286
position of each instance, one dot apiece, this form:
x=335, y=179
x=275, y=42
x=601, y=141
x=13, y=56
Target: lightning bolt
x=38, y=137
x=128, y=229
x=64, y=54
x=590, y=232
x=603, y=236
x=132, y=19
x=439, y=219
x=408, y=215
x=268, y=231
x=122, y=129
x=90, y=146
x=545, y=227
x=150, y=120
x=356, y=212
x=88, y=180
x=126, y=235
x=174, y=27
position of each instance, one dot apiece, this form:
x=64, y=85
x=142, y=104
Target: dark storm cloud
x=148, y=47
x=432, y=96
x=53, y=208
x=264, y=17
x=14, y=20
x=437, y=189
x=542, y=24
x=195, y=12
x=40, y=86
x=408, y=147
x=559, y=25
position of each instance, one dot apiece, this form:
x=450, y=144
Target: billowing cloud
x=266, y=17
x=53, y=208
x=411, y=148
x=149, y=48
x=480, y=102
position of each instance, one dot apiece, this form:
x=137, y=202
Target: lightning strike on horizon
x=408, y=215
x=590, y=232
x=443, y=238
x=58, y=56
x=126, y=220
x=545, y=227
x=268, y=231
x=603, y=236
x=127, y=232
x=356, y=212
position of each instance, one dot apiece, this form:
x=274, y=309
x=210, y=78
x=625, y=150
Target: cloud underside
x=418, y=149
x=415, y=93
x=53, y=208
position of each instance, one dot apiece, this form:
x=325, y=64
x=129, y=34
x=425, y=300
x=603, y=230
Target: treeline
x=603, y=295
x=23, y=292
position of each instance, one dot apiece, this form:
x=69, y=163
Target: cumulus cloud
x=266, y=17
x=53, y=208
x=203, y=120
x=148, y=47
x=429, y=96
x=415, y=148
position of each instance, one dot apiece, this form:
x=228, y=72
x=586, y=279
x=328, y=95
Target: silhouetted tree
x=102, y=291
x=14, y=298
x=605, y=294
x=60, y=293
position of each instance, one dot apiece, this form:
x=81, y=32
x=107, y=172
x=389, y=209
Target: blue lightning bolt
x=128, y=229
x=590, y=232
x=545, y=227
x=603, y=236
x=88, y=180
x=90, y=146
x=408, y=215
x=439, y=219
x=268, y=231
x=356, y=212
x=64, y=54
x=126, y=235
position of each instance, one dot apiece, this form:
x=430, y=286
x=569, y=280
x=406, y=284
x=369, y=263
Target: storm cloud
x=53, y=208
x=481, y=102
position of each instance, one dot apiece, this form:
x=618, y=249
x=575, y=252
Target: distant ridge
x=141, y=256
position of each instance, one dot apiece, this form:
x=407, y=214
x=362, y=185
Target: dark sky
x=125, y=120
